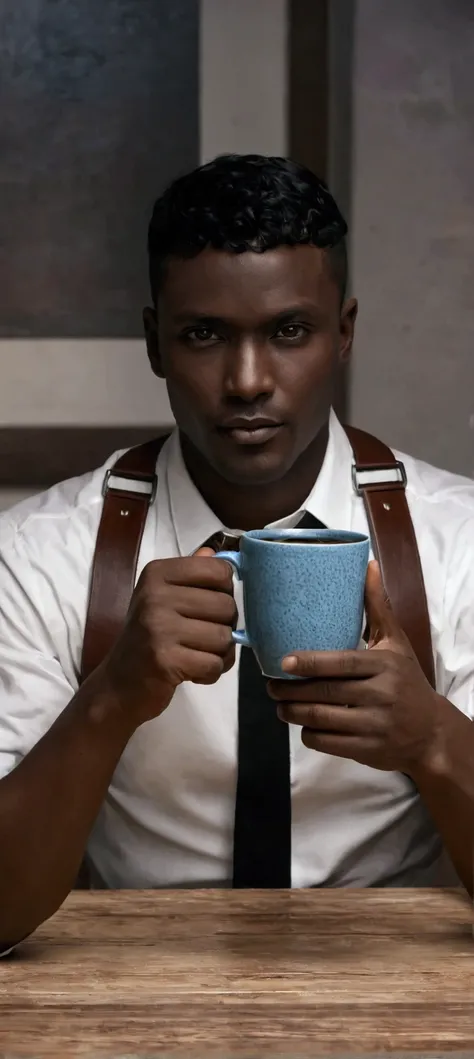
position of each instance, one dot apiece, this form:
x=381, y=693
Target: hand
x=394, y=717
x=179, y=627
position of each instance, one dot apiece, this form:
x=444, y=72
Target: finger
x=202, y=668
x=204, y=552
x=229, y=659
x=356, y=748
x=206, y=636
x=202, y=604
x=380, y=618
x=198, y=572
x=184, y=664
x=333, y=692
x=333, y=664
x=336, y=719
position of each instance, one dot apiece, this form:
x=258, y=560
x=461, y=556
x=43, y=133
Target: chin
x=260, y=470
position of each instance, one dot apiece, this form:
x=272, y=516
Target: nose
x=248, y=372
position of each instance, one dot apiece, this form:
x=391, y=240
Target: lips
x=251, y=431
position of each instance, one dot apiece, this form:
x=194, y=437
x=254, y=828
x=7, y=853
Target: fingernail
x=289, y=664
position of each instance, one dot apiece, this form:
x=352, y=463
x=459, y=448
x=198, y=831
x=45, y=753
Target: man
x=250, y=328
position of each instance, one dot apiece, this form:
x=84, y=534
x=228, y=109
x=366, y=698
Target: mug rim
x=300, y=536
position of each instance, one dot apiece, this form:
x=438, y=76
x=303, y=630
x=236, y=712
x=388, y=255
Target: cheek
x=198, y=375
x=183, y=371
x=311, y=373
x=192, y=390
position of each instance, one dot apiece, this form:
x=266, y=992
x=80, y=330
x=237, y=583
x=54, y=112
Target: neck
x=247, y=507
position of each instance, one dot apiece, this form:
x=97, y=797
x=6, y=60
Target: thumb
x=382, y=624
x=204, y=553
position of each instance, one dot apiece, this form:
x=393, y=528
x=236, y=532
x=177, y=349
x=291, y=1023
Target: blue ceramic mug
x=303, y=591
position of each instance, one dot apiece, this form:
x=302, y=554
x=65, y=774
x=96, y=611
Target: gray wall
x=240, y=106
x=99, y=111
x=413, y=226
x=409, y=146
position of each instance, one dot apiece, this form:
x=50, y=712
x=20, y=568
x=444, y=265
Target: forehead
x=219, y=283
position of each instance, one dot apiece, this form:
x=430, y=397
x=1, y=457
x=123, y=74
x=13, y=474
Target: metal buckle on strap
x=390, y=476
x=123, y=482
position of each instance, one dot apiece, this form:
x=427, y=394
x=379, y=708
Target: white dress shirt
x=167, y=820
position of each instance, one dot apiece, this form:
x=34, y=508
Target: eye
x=202, y=335
x=291, y=333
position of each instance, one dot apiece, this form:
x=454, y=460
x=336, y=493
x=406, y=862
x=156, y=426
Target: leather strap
x=129, y=489
x=378, y=478
x=381, y=480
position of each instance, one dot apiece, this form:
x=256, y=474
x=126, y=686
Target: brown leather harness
x=130, y=487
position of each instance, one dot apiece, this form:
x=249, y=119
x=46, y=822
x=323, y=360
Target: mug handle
x=239, y=636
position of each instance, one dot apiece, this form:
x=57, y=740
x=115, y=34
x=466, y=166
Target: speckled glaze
x=299, y=597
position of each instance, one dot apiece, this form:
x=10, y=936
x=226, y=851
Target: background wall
x=100, y=110
x=398, y=113
x=218, y=84
x=412, y=378
x=243, y=77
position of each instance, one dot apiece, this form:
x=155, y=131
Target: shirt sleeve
x=34, y=689
x=458, y=620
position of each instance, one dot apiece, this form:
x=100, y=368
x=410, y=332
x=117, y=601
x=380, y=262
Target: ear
x=150, y=323
x=346, y=329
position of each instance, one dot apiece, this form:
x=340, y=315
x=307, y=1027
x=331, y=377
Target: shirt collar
x=330, y=499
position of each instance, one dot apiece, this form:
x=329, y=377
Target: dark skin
x=266, y=333
x=272, y=341
x=251, y=334
x=284, y=339
x=393, y=720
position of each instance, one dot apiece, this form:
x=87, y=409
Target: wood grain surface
x=241, y=973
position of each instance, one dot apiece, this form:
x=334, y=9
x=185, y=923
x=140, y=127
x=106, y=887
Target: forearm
x=48, y=806
x=446, y=786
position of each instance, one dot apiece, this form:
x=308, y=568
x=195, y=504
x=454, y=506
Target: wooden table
x=241, y=973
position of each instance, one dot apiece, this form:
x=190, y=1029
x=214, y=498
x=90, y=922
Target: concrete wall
x=243, y=77
x=242, y=74
x=413, y=226
x=410, y=149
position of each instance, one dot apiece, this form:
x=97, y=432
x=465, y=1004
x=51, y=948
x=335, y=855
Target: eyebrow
x=281, y=318
x=198, y=318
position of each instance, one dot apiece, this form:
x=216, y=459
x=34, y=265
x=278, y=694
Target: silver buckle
x=131, y=484
x=377, y=478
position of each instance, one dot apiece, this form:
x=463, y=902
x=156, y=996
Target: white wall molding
x=81, y=382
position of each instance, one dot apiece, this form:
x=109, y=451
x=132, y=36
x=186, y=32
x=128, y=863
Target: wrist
x=104, y=709
x=435, y=761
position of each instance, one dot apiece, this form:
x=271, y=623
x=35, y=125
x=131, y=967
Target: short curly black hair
x=246, y=202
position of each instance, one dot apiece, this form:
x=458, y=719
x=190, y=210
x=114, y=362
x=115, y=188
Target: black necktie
x=262, y=832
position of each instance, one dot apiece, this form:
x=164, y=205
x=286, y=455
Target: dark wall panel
x=98, y=111
x=33, y=458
